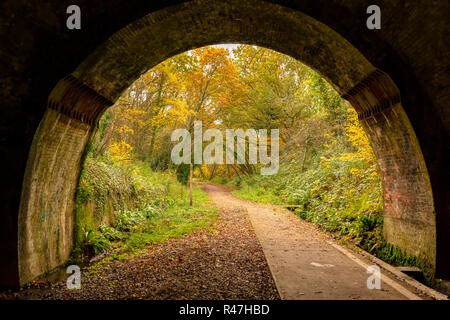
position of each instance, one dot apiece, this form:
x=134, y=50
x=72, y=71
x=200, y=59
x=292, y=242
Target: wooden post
x=190, y=184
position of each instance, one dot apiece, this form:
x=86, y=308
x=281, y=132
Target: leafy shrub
x=126, y=220
x=341, y=194
x=95, y=243
x=110, y=233
x=151, y=210
x=159, y=208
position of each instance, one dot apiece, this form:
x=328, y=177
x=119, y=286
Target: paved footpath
x=305, y=263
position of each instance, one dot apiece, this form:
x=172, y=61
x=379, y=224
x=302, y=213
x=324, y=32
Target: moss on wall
x=103, y=190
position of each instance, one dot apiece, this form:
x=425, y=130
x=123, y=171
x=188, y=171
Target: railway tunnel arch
x=45, y=218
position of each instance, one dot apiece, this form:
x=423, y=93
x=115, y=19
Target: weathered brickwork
x=46, y=216
x=121, y=39
x=155, y=37
x=76, y=100
x=409, y=215
x=46, y=212
x=374, y=94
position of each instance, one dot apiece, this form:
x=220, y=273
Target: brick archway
x=387, y=110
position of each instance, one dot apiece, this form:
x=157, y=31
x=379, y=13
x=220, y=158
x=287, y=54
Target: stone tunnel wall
x=37, y=50
x=49, y=213
x=409, y=216
x=46, y=213
x=410, y=220
x=46, y=217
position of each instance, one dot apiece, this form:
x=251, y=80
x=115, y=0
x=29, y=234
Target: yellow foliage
x=121, y=150
x=359, y=139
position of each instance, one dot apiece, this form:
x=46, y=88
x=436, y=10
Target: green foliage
x=395, y=256
x=147, y=207
x=111, y=234
x=129, y=219
x=256, y=187
x=183, y=173
x=328, y=166
x=177, y=219
x=95, y=242
x=337, y=200
x=99, y=179
x=333, y=198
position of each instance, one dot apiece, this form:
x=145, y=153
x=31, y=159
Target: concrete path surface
x=306, y=264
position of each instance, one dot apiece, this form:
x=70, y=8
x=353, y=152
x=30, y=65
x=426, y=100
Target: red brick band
x=76, y=100
x=372, y=95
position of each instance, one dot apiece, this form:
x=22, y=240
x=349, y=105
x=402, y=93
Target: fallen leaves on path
x=226, y=262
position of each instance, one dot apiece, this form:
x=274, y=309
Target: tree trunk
x=307, y=143
x=190, y=185
x=152, y=144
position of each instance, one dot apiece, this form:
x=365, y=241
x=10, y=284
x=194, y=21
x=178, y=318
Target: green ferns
x=329, y=195
x=337, y=200
x=124, y=208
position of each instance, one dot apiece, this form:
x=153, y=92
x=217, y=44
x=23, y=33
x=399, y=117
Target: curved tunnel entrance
x=45, y=221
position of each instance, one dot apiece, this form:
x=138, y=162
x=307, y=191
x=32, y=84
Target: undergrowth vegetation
x=132, y=194
x=336, y=201
x=340, y=191
x=144, y=207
